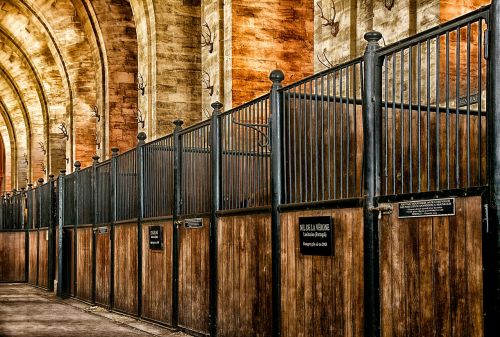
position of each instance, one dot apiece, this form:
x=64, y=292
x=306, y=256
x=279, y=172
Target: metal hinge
x=382, y=209
x=486, y=44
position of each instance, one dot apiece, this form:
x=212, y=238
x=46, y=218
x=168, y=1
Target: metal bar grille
x=196, y=170
x=434, y=94
x=158, y=178
x=126, y=186
x=246, y=155
x=323, y=136
x=45, y=204
x=85, y=197
x=69, y=199
x=103, y=193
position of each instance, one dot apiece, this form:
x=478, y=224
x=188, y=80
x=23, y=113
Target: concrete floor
x=27, y=311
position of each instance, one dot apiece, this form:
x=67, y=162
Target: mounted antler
x=207, y=82
x=330, y=22
x=64, y=131
x=141, y=85
x=42, y=147
x=140, y=118
x=44, y=169
x=95, y=112
x=327, y=63
x=389, y=4
x=25, y=157
x=208, y=39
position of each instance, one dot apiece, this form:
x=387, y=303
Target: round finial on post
x=77, y=165
x=30, y=186
x=51, y=177
x=114, y=151
x=178, y=125
x=217, y=106
x=141, y=137
x=373, y=36
x=62, y=172
x=95, y=159
x=277, y=76
x=40, y=181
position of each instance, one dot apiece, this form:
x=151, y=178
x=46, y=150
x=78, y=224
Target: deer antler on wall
x=44, y=168
x=207, y=81
x=97, y=140
x=335, y=26
x=389, y=4
x=140, y=118
x=95, y=112
x=42, y=147
x=25, y=158
x=141, y=85
x=208, y=39
x=326, y=63
x=64, y=131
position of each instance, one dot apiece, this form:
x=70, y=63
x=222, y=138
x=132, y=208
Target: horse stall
x=158, y=231
x=125, y=232
x=193, y=228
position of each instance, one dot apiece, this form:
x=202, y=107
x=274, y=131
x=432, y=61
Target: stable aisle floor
x=27, y=311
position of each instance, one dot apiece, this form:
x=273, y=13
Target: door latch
x=382, y=209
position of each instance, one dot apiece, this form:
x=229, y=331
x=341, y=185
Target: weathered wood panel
x=33, y=263
x=43, y=259
x=194, y=278
x=323, y=296
x=244, y=276
x=125, y=276
x=431, y=273
x=56, y=262
x=157, y=275
x=84, y=264
x=12, y=256
x=103, y=267
x=69, y=249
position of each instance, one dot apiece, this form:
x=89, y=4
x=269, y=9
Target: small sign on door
x=155, y=237
x=316, y=235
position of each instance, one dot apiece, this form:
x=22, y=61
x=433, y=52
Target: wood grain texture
x=323, y=296
x=84, y=264
x=194, y=282
x=43, y=259
x=103, y=267
x=12, y=256
x=244, y=276
x=126, y=264
x=69, y=247
x=157, y=275
x=33, y=262
x=431, y=273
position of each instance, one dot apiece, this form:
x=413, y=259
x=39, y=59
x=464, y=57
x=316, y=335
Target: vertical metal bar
x=438, y=117
x=447, y=110
x=468, y=101
x=492, y=272
x=61, y=290
x=371, y=122
x=479, y=101
x=95, y=217
x=140, y=160
x=177, y=212
x=428, y=101
x=386, y=126
x=276, y=77
x=457, y=106
x=402, y=116
x=419, y=121
x=216, y=163
x=51, y=232
x=394, y=180
x=410, y=117
x=114, y=207
x=76, y=182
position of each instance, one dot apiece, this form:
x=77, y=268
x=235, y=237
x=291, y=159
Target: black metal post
x=61, y=286
x=29, y=216
x=114, y=154
x=95, y=161
x=276, y=77
x=39, y=221
x=51, y=232
x=141, y=137
x=78, y=165
x=177, y=212
x=492, y=275
x=371, y=168
x=216, y=205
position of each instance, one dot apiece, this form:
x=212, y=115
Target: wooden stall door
x=194, y=278
x=431, y=273
x=33, y=257
x=43, y=258
x=103, y=265
x=12, y=256
x=126, y=264
x=157, y=275
x=84, y=263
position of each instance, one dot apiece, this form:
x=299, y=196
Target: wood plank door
x=431, y=272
